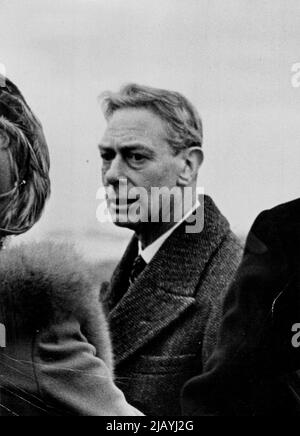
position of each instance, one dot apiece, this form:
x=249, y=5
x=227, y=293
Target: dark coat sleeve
x=239, y=377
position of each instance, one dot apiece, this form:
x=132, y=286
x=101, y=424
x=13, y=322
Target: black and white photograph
x=149, y=210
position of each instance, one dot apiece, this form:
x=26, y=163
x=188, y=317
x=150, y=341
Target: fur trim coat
x=55, y=351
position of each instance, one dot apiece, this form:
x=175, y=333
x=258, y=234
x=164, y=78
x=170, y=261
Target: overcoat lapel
x=166, y=288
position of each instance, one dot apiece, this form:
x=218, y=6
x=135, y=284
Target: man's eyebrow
x=136, y=146
x=128, y=147
x=103, y=146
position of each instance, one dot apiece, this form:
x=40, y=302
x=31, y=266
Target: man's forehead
x=128, y=132
x=132, y=125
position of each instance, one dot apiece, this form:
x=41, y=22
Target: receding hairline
x=135, y=135
x=139, y=106
x=141, y=109
x=180, y=117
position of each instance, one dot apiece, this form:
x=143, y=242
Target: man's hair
x=28, y=153
x=183, y=123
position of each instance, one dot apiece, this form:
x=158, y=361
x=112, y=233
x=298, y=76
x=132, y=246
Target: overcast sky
x=232, y=58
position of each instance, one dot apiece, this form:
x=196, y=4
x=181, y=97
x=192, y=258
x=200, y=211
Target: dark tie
x=138, y=267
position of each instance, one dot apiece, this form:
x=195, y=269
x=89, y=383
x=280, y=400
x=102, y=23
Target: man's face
x=135, y=152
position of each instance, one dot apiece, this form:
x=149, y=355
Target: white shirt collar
x=149, y=252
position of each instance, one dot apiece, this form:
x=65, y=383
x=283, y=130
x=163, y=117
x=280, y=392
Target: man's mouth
x=121, y=203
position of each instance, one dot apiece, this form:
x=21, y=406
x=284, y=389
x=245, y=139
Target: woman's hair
x=183, y=123
x=23, y=137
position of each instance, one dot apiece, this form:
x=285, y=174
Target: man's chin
x=127, y=225
x=122, y=217
x=125, y=222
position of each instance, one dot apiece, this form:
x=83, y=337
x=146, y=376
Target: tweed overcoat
x=164, y=326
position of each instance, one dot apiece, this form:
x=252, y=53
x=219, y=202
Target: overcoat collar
x=166, y=288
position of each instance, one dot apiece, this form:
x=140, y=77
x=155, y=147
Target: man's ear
x=193, y=158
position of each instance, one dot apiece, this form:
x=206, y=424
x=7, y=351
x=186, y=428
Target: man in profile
x=165, y=296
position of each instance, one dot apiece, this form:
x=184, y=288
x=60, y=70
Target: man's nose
x=115, y=172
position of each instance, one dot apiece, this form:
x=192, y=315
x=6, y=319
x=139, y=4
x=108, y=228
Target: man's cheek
x=103, y=172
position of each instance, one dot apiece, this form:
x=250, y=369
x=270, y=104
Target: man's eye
x=107, y=156
x=136, y=158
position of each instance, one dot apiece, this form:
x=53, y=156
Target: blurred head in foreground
x=24, y=163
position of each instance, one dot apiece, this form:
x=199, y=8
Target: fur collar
x=45, y=283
